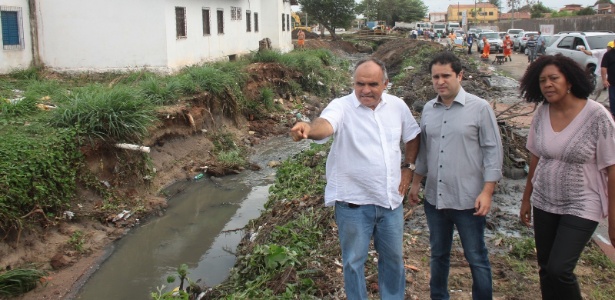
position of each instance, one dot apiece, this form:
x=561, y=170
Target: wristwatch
x=410, y=166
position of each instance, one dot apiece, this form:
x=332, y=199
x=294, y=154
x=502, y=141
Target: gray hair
x=380, y=63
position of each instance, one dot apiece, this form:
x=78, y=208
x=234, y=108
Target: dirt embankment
x=181, y=145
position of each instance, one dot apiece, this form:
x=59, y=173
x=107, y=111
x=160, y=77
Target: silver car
x=571, y=43
x=521, y=39
x=495, y=42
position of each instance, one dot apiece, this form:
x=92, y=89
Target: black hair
x=445, y=58
x=581, y=86
x=380, y=63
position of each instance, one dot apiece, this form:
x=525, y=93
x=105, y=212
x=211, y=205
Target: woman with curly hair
x=571, y=180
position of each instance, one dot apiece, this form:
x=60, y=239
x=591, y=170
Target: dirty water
x=201, y=228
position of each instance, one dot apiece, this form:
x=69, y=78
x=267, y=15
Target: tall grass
x=19, y=281
x=108, y=114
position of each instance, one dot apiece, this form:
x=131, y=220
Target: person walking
x=541, y=44
x=365, y=182
x=461, y=156
x=607, y=73
x=570, y=181
x=301, y=39
x=470, y=41
x=530, y=45
x=598, y=54
x=508, y=45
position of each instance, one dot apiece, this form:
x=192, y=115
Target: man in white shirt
x=364, y=179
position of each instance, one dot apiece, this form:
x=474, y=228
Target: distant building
x=517, y=15
x=437, y=17
x=571, y=7
x=120, y=35
x=604, y=8
x=475, y=13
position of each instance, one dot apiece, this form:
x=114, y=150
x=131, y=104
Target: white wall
x=272, y=24
x=17, y=59
x=235, y=40
x=119, y=35
x=77, y=35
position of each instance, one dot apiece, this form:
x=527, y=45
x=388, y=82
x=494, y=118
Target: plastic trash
x=198, y=176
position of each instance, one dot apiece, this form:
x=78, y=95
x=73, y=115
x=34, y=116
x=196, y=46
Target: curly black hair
x=529, y=85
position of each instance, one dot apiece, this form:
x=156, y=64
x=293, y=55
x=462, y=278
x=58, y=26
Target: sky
x=442, y=5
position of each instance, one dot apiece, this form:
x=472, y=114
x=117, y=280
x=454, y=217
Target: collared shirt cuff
x=493, y=175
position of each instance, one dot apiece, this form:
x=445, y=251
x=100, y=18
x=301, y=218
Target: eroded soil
x=181, y=145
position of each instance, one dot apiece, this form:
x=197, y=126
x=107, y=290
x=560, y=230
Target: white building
x=121, y=35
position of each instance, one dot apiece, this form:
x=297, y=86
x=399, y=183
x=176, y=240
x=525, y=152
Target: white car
x=495, y=42
x=571, y=43
x=522, y=38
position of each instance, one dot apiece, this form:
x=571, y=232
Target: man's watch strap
x=410, y=166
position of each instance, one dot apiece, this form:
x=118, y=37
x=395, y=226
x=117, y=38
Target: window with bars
x=180, y=22
x=283, y=22
x=255, y=22
x=235, y=13
x=287, y=22
x=220, y=15
x=12, y=30
x=206, y=22
x=248, y=21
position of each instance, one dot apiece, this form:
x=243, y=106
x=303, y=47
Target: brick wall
x=581, y=23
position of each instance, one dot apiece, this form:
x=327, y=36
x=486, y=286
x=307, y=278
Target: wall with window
x=160, y=35
x=221, y=29
x=271, y=24
x=15, y=42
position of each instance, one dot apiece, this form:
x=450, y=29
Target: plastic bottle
x=198, y=176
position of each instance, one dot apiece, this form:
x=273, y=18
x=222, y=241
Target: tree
x=538, y=10
x=496, y=3
x=393, y=11
x=587, y=11
x=330, y=13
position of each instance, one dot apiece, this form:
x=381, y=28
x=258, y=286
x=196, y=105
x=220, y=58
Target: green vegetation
x=523, y=248
x=287, y=248
x=47, y=120
x=19, y=281
x=77, y=240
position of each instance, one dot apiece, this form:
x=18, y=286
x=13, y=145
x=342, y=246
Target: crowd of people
x=456, y=150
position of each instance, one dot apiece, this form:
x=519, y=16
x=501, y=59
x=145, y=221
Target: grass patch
x=19, y=281
x=112, y=115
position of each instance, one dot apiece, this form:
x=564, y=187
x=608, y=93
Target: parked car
x=495, y=42
x=521, y=40
x=570, y=43
x=513, y=32
x=502, y=34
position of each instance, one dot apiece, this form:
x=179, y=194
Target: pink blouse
x=571, y=176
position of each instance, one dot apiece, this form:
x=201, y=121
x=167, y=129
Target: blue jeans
x=471, y=230
x=357, y=225
x=560, y=239
x=612, y=99
x=531, y=54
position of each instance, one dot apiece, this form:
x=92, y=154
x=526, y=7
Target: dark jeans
x=560, y=239
x=612, y=99
x=470, y=48
x=441, y=223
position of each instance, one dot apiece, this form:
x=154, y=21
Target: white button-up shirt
x=363, y=166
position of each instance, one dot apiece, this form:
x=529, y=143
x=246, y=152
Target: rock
x=60, y=261
x=514, y=173
x=273, y=164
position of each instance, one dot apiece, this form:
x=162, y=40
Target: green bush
x=113, y=115
x=37, y=170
